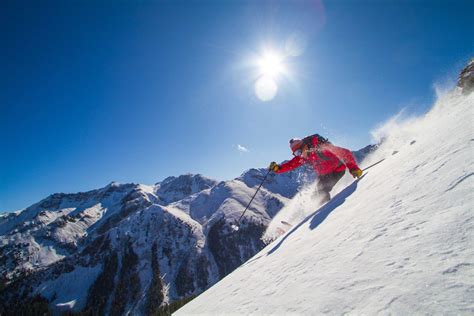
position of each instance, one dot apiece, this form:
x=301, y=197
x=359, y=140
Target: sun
x=270, y=64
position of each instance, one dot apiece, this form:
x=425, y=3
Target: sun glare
x=266, y=88
x=271, y=64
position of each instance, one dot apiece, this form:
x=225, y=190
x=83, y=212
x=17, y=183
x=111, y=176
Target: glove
x=274, y=167
x=356, y=173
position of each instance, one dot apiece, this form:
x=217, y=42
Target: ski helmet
x=295, y=144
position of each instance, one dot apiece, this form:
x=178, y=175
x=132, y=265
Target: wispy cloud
x=242, y=149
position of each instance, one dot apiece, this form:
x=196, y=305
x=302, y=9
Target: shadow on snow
x=320, y=215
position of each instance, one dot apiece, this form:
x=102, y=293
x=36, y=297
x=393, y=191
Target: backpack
x=308, y=141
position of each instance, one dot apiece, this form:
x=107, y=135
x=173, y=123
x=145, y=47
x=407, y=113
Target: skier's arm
x=290, y=165
x=345, y=155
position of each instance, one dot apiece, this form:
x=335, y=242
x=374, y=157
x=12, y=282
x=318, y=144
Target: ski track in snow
x=399, y=241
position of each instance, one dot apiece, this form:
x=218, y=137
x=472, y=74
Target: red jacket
x=325, y=158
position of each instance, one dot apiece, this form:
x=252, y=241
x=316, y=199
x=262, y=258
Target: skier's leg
x=322, y=189
x=334, y=178
x=326, y=183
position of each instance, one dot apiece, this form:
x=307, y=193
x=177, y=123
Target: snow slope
x=400, y=240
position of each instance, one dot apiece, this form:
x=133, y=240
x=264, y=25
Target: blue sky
x=135, y=91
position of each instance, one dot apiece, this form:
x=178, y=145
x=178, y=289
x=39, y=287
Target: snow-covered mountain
x=173, y=189
x=400, y=240
x=132, y=247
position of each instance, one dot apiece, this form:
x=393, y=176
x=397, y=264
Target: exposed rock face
x=228, y=247
x=466, y=78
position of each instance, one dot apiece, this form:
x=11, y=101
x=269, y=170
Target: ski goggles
x=297, y=152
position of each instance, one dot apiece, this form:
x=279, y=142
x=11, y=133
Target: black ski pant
x=326, y=183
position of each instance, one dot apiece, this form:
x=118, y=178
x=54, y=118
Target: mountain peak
x=466, y=78
x=113, y=184
x=173, y=188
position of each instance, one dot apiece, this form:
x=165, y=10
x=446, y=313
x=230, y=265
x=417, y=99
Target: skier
x=328, y=161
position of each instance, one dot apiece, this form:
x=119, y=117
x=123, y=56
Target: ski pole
x=236, y=225
x=373, y=164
